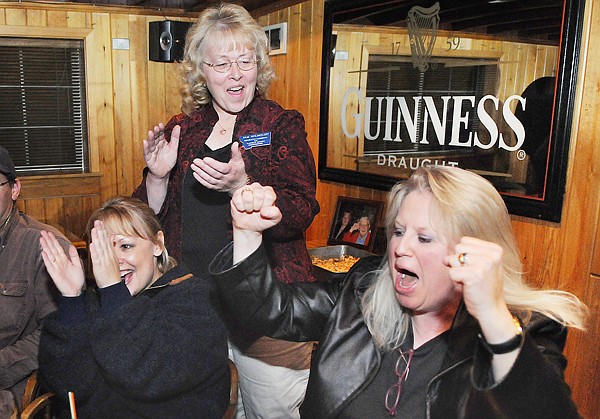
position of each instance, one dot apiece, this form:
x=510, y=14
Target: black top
x=425, y=363
x=204, y=216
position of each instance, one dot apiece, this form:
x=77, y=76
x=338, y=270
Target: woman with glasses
x=229, y=135
x=442, y=326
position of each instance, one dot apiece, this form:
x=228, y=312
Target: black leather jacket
x=347, y=359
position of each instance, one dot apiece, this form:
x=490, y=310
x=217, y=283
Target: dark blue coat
x=160, y=354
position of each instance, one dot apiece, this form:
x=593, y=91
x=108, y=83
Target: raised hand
x=105, y=263
x=161, y=155
x=476, y=268
x=253, y=208
x=66, y=271
x=224, y=177
x=253, y=211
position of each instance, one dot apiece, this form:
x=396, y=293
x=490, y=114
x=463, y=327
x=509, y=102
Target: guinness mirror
x=486, y=85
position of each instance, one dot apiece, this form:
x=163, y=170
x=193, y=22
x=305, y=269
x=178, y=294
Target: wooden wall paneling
x=534, y=238
x=548, y=243
x=88, y=204
x=101, y=125
x=60, y=199
x=57, y=18
x=78, y=19
x=123, y=115
x=286, y=65
x=157, y=91
x=584, y=357
x=138, y=37
x=33, y=187
x=595, y=266
x=299, y=15
x=74, y=216
x=16, y=17
x=53, y=211
x=314, y=36
x=35, y=208
x=173, y=82
x=36, y=18
x=322, y=221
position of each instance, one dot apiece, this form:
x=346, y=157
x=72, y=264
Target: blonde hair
x=464, y=204
x=131, y=217
x=226, y=23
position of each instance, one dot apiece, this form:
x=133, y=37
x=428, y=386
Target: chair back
x=34, y=404
x=233, y=392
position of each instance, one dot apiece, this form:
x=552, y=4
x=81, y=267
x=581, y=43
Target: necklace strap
x=224, y=129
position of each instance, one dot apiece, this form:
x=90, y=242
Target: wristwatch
x=508, y=346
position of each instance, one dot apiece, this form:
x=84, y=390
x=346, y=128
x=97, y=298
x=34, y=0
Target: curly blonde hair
x=223, y=24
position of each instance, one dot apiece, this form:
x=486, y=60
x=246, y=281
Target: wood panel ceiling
x=255, y=7
x=530, y=19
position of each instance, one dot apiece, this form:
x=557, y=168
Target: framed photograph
x=355, y=222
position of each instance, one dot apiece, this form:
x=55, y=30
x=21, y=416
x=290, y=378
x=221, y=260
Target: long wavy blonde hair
x=226, y=24
x=464, y=204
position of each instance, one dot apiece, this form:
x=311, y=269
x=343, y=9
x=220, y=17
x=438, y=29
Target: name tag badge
x=256, y=140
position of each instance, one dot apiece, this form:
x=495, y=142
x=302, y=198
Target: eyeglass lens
x=244, y=65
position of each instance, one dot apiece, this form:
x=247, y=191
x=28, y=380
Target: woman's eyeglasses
x=395, y=390
x=224, y=67
x=4, y=183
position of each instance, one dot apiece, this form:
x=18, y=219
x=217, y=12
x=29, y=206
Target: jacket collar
x=462, y=337
x=174, y=276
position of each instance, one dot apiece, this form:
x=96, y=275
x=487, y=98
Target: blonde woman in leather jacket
x=442, y=326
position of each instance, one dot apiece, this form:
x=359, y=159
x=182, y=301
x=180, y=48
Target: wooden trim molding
x=44, y=32
x=58, y=186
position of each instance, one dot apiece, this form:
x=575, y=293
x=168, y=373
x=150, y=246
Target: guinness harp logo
x=422, y=30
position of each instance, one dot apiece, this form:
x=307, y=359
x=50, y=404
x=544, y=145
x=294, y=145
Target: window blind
x=43, y=105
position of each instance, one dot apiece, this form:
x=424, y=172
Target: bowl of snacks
x=333, y=262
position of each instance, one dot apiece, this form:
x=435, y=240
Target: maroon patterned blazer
x=287, y=165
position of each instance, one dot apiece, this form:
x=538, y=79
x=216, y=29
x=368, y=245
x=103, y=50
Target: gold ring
x=247, y=189
x=462, y=259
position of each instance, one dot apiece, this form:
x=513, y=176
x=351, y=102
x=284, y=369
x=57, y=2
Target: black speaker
x=166, y=40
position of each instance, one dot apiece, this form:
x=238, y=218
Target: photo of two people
x=355, y=222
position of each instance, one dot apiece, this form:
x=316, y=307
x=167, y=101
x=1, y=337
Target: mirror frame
x=550, y=207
